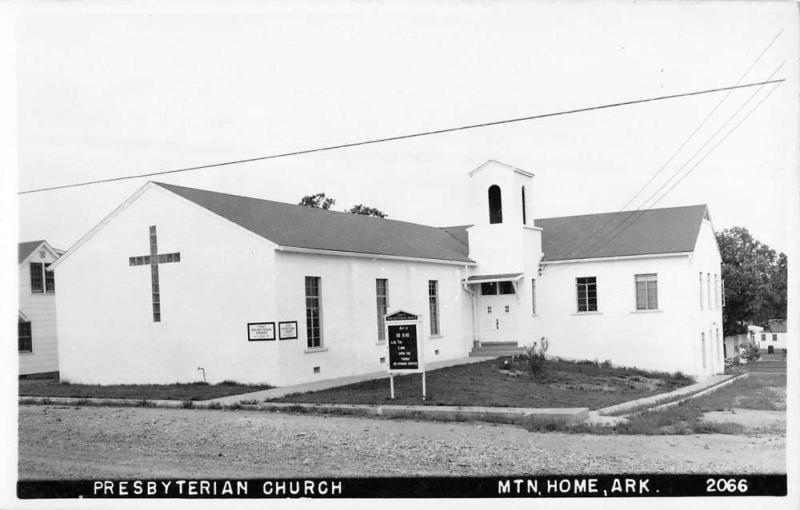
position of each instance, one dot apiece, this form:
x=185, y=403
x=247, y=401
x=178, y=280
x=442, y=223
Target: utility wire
x=652, y=177
x=602, y=230
x=400, y=137
x=631, y=220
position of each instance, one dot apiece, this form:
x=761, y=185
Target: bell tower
x=503, y=238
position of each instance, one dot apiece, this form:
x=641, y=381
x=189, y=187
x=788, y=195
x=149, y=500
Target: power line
x=602, y=230
x=400, y=137
x=703, y=122
x=640, y=212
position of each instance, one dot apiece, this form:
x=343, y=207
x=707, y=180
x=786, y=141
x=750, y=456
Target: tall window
x=495, y=204
x=716, y=291
x=313, y=312
x=524, y=208
x=587, y=294
x=646, y=292
x=774, y=337
x=708, y=290
x=382, y=302
x=49, y=279
x=701, y=290
x=703, y=347
x=37, y=277
x=533, y=296
x=24, y=338
x=763, y=337
x=433, y=303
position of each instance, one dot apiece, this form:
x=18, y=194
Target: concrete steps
x=496, y=349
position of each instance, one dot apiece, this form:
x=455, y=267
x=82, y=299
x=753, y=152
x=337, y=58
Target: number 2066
x=726, y=485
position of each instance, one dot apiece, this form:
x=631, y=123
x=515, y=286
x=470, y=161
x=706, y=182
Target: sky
x=106, y=92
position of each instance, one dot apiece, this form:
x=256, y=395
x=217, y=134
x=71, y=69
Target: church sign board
x=401, y=332
x=260, y=331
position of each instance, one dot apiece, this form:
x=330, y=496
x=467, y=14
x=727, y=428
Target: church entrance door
x=497, y=317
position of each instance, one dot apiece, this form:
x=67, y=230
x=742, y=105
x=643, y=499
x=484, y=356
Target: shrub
x=188, y=404
x=248, y=402
x=228, y=382
x=214, y=405
x=145, y=403
x=536, y=355
x=749, y=352
x=606, y=364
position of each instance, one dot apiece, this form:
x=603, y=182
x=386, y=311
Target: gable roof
x=654, y=231
x=318, y=229
x=26, y=248
x=626, y=233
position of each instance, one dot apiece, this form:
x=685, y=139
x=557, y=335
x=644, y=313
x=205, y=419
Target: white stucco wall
x=40, y=309
x=225, y=279
x=706, y=306
x=350, y=343
x=653, y=339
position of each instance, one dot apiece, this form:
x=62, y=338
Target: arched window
x=524, y=208
x=495, y=205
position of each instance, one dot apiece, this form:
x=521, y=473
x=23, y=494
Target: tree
x=318, y=200
x=367, y=211
x=755, y=281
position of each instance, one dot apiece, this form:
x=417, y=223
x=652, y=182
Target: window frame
x=586, y=287
x=382, y=308
x=37, y=278
x=433, y=308
x=701, y=291
x=313, y=341
x=29, y=337
x=533, y=296
x=647, y=280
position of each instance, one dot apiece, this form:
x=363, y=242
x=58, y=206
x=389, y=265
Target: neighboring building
x=170, y=280
x=36, y=315
x=774, y=336
x=733, y=343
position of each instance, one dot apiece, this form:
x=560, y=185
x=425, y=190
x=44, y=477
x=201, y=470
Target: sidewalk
x=649, y=402
x=262, y=395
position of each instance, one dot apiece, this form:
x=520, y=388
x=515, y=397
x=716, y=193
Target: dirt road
x=103, y=442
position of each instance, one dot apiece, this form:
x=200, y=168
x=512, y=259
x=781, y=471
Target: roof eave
x=338, y=253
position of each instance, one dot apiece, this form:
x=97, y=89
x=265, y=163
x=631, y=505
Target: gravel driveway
x=93, y=442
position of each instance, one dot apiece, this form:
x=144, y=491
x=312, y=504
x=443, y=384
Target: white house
x=36, y=314
x=773, y=337
x=170, y=281
x=733, y=343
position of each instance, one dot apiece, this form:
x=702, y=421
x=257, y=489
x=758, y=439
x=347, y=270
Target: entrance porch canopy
x=489, y=278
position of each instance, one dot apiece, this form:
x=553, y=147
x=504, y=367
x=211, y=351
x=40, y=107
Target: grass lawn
x=563, y=384
x=764, y=392
x=176, y=391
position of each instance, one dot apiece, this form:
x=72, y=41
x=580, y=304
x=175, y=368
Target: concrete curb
x=649, y=402
x=694, y=395
x=509, y=415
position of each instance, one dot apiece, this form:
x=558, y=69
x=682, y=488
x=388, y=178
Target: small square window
x=316, y=370
x=383, y=359
x=489, y=309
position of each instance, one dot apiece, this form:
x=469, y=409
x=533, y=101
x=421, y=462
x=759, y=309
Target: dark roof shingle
x=306, y=227
x=668, y=230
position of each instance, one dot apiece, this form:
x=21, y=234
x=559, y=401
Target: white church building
x=177, y=279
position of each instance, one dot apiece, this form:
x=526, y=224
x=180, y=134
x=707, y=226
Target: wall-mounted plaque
x=287, y=330
x=260, y=331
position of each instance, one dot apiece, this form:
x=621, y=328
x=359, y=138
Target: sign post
x=405, y=352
